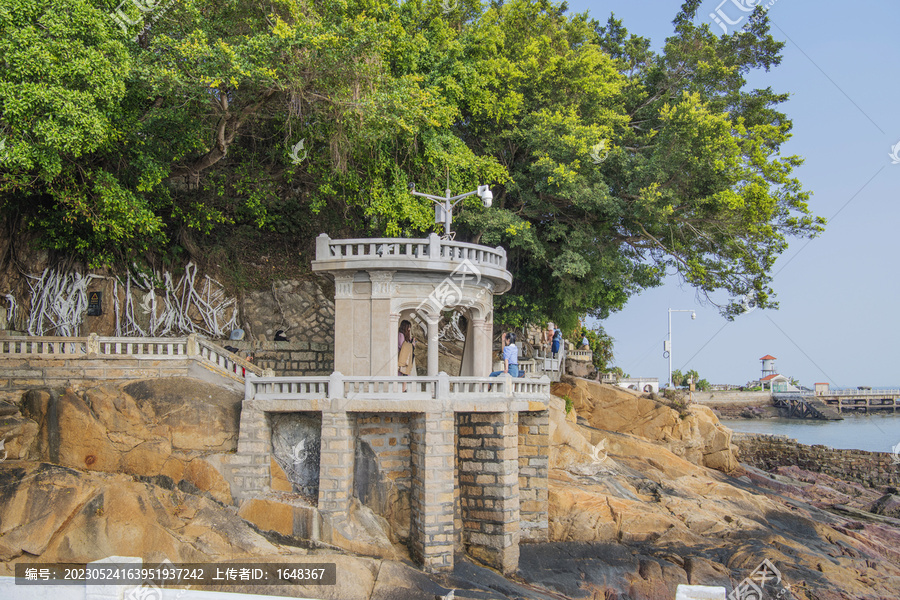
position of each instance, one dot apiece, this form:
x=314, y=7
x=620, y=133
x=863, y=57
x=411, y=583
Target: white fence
x=857, y=392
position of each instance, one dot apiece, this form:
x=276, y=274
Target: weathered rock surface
x=635, y=509
x=175, y=427
x=696, y=436
x=631, y=519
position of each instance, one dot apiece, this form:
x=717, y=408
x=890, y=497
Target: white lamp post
x=667, y=349
x=444, y=204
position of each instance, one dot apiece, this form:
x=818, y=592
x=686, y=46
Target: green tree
x=599, y=342
x=625, y=164
x=611, y=164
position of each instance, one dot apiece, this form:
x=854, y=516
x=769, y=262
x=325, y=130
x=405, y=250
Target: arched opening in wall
x=454, y=329
x=648, y=388
x=382, y=469
x=633, y=387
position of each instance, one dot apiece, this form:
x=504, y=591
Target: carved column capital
x=343, y=285
x=382, y=283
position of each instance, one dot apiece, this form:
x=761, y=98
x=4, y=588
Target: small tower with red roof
x=768, y=366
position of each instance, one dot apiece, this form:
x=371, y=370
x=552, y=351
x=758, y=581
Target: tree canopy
x=171, y=127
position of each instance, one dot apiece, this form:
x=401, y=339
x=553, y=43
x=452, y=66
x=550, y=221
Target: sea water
x=876, y=432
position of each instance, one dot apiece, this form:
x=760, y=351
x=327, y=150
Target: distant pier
x=804, y=406
x=861, y=400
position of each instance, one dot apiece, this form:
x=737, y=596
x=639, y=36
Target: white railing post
x=434, y=246
x=336, y=385
x=248, y=386
x=93, y=344
x=193, y=346
x=443, y=387
x=322, y=247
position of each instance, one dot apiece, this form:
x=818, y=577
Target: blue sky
x=839, y=294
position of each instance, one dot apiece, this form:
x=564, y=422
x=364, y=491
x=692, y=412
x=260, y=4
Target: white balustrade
x=442, y=387
x=95, y=346
x=391, y=248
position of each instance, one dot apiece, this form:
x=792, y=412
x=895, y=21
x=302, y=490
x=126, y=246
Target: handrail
x=850, y=392
x=94, y=346
x=227, y=360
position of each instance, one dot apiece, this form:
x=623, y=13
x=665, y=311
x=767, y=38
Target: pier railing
x=857, y=392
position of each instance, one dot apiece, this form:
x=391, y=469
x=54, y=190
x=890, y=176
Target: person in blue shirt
x=557, y=339
x=585, y=344
x=510, y=356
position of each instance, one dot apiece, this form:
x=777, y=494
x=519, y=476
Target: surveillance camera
x=487, y=197
x=412, y=187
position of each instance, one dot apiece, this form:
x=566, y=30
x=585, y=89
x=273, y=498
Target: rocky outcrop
x=694, y=434
x=176, y=427
x=634, y=511
x=630, y=518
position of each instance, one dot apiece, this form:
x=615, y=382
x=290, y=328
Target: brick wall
x=871, y=469
x=489, y=487
x=289, y=359
x=534, y=448
x=431, y=500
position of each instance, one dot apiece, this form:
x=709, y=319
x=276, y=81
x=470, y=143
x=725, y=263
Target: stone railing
x=431, y=254
x=585, y=355
x=432, y=248
x=94, y=346
x=441, y=387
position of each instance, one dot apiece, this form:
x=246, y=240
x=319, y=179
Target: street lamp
x=443, y=210
x=667, y=347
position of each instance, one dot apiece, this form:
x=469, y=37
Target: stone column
x=489, y=487
x=433, y=347
x=432, y=494
x=534, y=449
x=249, y=470
x=394, y=336
x=336, y=462
x=384, y=347
x=481, y=348
x=343, y=323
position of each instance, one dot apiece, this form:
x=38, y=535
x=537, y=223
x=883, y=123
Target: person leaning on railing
x=510, y=356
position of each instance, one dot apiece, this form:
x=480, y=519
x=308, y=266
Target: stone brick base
x=489, y=487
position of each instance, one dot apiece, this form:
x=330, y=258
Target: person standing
x=405, y=349
x=557, y=340
x=547, y=338
x=510, y=356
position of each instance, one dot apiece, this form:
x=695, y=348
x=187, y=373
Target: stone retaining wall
x=733, y=397
x=29, y=373
x=871, y=469
x=300, y=308
x=289, y=359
